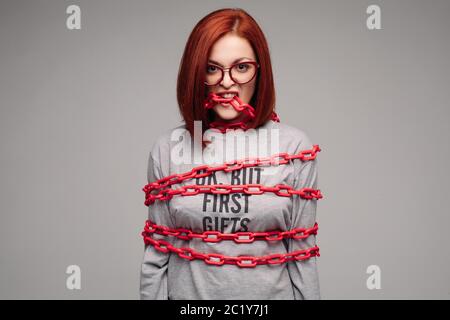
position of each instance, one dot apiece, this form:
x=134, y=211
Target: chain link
x=239, y=106
x=167, y=194
x=238, y=237
x=241, y=261
x=251, y=189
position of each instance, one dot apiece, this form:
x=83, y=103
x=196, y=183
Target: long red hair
x=191, y=90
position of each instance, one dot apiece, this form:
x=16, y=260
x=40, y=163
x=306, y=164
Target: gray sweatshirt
x=168, y=276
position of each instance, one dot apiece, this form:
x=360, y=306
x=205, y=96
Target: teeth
x=228, y=95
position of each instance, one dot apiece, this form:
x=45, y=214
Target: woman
x=256, y=239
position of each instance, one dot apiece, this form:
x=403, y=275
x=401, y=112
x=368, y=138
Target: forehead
x=229, y=48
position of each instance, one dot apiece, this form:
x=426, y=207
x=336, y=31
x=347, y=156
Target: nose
x=227, y=81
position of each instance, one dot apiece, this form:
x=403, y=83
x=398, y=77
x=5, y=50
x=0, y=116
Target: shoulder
x=298, y=139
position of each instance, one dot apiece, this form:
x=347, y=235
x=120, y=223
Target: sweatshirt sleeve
x=153, y=280
x=303, y=273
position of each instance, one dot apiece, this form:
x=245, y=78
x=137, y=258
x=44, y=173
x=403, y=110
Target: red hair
x=191, y=90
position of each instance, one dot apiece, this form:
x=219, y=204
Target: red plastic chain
x=253, y=189
x=277, y=159
x=238, y=237
x=165, y=192
x=213, y=99
x=241, y=261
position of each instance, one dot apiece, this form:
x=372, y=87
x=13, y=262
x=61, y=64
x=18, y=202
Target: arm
x=303, y=274
x=153, y=281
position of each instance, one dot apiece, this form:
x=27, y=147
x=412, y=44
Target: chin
x=227, y=114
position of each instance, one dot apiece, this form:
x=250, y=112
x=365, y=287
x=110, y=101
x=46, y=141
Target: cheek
x=249, y=89
x=212, y=89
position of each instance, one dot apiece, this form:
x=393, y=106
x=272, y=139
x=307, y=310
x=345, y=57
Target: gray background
x=80, y=110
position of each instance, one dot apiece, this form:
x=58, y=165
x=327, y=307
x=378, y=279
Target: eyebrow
x=237, y=60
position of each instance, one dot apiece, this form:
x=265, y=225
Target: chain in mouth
x=236, y=103
x=228, y=95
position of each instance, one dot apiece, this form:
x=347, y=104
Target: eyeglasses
x=240, y=72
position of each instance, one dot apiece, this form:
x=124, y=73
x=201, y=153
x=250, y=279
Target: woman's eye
x=211, y=69
x=242, y=67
